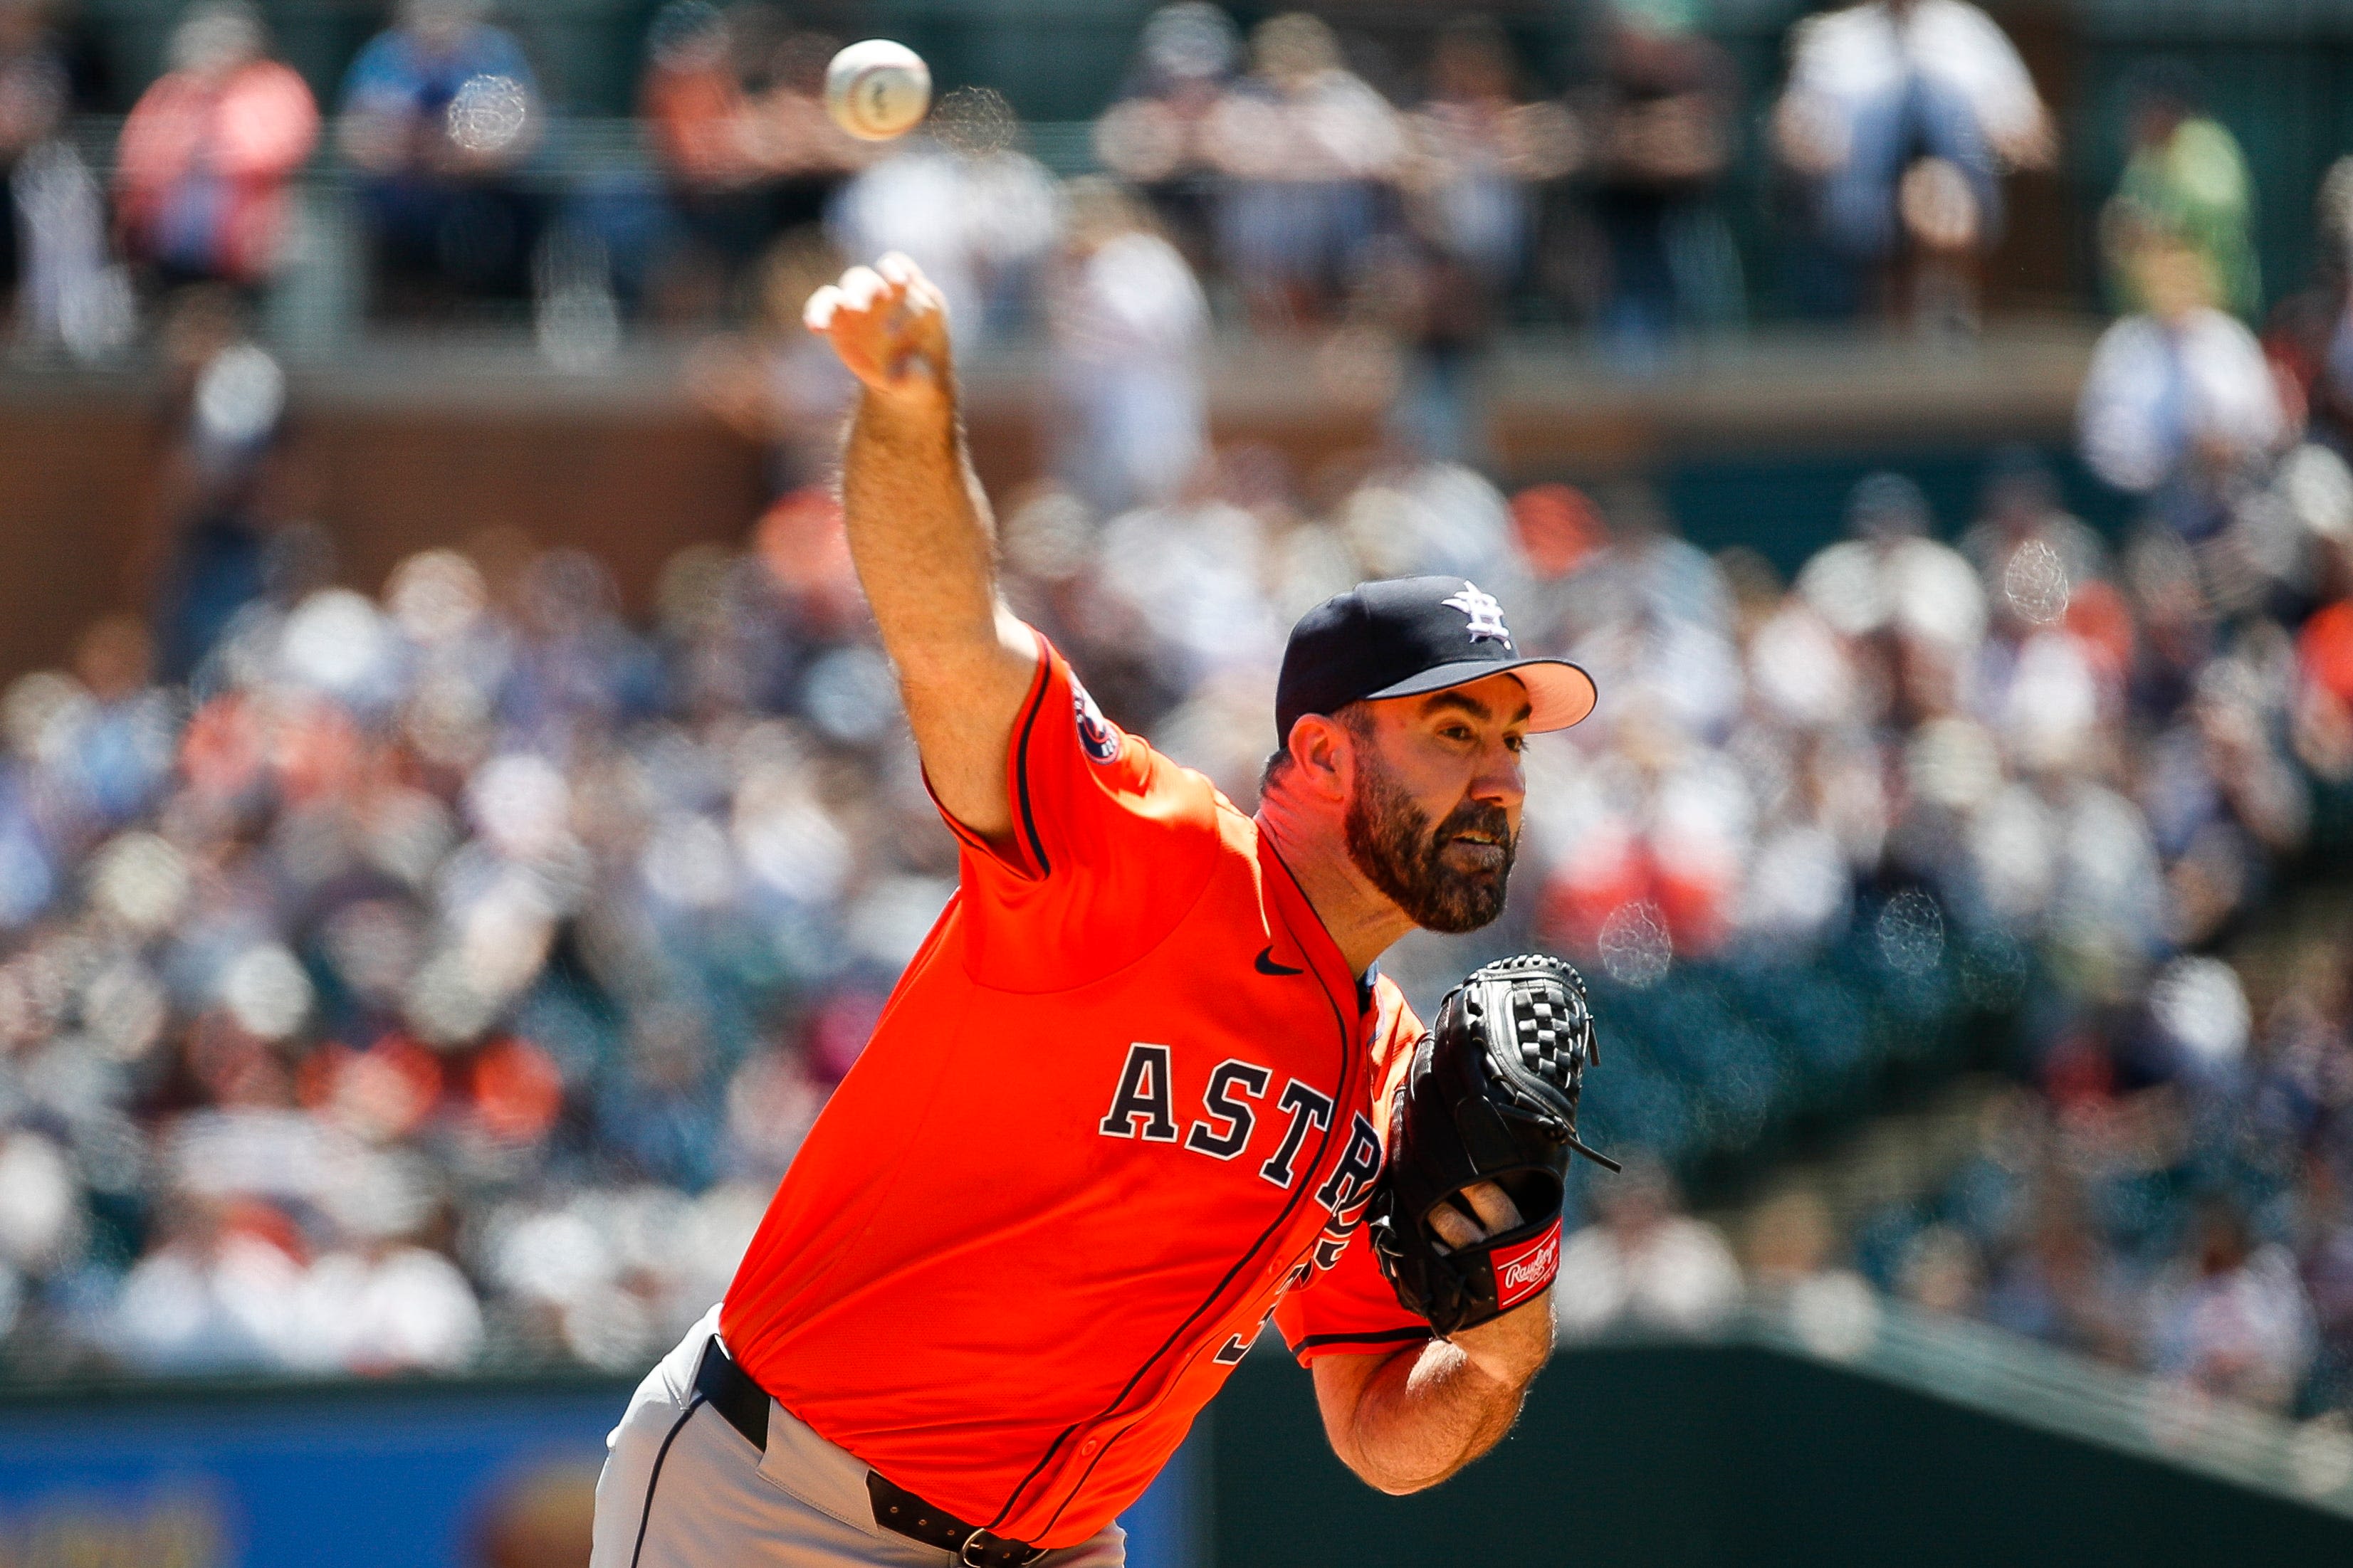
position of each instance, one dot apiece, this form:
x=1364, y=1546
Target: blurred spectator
x=2033, y=556
x=438, y=114
x=1789, y=1241
x=1941, y=1273
x=743, y=165
x=1556, y=528
x=1129, y=325
x=2323, y=699
x=1307, y=149
x=1477, y=156
x=1660, y=127
x=782, y=70
x=1643, y=1264
x=235, y=1287
x=1646, y=570
x=60, y=288
x=707, y=136
x=217, y=1294
x=1649, y=865
x=2307, y=336
x=2057, y=1284
x=2185, y=179
x=205, y=159
x=388, y=1306
x=32, y=96
x=1476, y=149
x=1893, y=585
x=2179, y=404
x=1153, y=135
x=2231, y=1318
x=1790, y=1250
x=211, y=531
x=2326, y=1247
x=979, y=214
x=774, y=383
x=1898, y=121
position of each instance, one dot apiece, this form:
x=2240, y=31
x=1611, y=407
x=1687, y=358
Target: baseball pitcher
x=1142, y=1086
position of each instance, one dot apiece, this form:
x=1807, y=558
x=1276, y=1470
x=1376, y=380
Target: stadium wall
x=1753, y=1453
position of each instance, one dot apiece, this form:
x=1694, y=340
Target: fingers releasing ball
x=878, y=89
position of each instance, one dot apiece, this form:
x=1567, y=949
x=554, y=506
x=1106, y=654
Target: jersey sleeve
x=1346, y=1310
x=1112, y=843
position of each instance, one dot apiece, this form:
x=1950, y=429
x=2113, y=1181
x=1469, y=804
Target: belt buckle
x=976, y=1548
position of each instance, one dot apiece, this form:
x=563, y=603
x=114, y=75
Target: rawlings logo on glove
x=1522, y=1274
x=1491, y=1097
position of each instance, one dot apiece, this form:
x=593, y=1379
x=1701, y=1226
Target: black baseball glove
x=1491, y=1097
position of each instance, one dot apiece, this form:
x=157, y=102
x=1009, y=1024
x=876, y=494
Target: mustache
x=1482, y=817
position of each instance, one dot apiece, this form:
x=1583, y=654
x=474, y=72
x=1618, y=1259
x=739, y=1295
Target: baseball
x=878, y=89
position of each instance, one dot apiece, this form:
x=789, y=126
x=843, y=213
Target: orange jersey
x=1126, y=1101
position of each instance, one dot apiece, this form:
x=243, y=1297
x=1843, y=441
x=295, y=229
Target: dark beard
x=1391, y=841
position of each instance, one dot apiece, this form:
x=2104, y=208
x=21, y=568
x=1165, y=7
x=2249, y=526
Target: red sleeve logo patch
x=1528, y=1267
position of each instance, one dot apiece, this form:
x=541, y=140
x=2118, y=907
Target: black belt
x=729, y=1389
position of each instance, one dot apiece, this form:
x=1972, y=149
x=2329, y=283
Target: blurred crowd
x=2166, y=1191
x=1428, y=187
x=2125, y=753
x=445, y=977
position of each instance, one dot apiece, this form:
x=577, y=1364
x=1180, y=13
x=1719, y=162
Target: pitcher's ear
x=1322, y=755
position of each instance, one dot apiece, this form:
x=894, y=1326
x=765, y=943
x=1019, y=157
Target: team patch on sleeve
x=1096, y=736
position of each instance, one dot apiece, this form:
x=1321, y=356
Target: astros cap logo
x=1486, y=615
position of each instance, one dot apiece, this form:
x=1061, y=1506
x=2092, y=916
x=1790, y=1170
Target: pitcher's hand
x=1511, y=1348
x=1496, y=1211
x=890, y=325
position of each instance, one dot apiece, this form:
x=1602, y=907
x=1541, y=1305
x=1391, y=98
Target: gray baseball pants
x=683, y=1488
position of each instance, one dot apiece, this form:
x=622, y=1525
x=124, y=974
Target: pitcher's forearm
x=1409, y=1420
x=1426, y=1415
x=920, y=529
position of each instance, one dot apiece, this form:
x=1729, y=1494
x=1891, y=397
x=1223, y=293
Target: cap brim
x=1560, y=693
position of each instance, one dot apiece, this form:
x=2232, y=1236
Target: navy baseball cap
x=1408, y=637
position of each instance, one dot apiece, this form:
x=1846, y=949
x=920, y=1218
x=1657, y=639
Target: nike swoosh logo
x=1267, y=965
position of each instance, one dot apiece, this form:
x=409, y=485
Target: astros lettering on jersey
x=1126, y=1102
